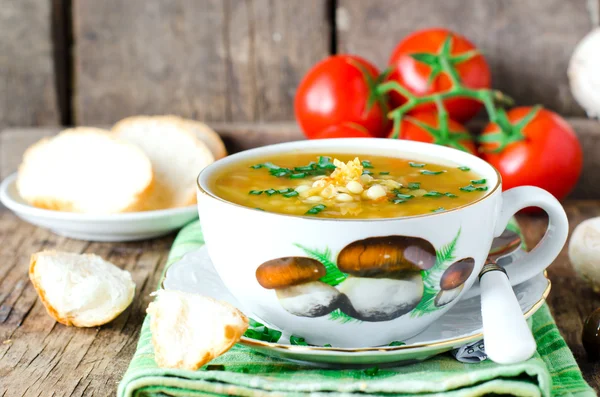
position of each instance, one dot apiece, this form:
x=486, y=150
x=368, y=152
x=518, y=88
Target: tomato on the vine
x=344, y=130
x=341, y=88
x=420, y=65
x=425, y=127
x=535, y=147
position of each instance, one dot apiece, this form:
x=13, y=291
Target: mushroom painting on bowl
x=453, y=281
x=296, y=283
x=384, y=279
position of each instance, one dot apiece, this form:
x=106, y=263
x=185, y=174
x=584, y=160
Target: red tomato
x=344, y=130
x=425, y=127
x=337, y=90
x=414, y=75
x=545, y=152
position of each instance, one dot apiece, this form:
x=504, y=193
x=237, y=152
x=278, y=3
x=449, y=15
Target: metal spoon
x=506, y=335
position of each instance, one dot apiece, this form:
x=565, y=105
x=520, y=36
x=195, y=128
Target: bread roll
x=176, y=154
x=189, y=330
x=80, y=290
x=85, y=170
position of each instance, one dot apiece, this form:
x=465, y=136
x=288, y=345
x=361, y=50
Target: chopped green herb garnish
x=451, y=195
x=259, y=331
x=366, y=164
x=427, y=172
x=371, y=371
x=397, y=343
x=293, y=193
x=472, y=188
x=271, y=192
x=255, y=192
x=367, y=172
x=384, y=173
x=416, y=165
x=433, y=193
x=323, y=167
x=327, y=345
x=440, y=209
x=399, y=195
x=398, y=201
x=316, y=209
x=325, y=162
x=478, y=182
x=286, y=190
x=215, y=367
x=271, y=166
x=298, y=341
x=414, y=185
x=311, y=166
x=464, y=168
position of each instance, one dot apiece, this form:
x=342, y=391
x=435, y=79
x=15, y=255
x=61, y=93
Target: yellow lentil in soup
x=348, y=186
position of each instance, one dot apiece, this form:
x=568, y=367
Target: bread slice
x=85, y=170
x=206, y=135
x=80, y=290
x=189, y=330
x=176, y=154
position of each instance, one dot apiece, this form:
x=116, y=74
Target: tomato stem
x=444, y=62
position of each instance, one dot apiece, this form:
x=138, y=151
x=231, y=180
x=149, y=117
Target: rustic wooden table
x=39, y=357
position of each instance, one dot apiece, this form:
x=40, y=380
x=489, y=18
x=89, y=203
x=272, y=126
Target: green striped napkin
x=242, y=372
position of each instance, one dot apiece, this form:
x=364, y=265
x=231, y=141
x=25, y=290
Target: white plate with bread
x=135, y=181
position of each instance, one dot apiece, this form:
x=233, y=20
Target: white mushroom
x=584, y=252
x=381, y=299
x=297, y=286
x=385, y=280
x=312, y=299
x=583, y=73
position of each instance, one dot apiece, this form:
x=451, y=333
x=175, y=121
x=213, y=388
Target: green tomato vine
x=444, y=62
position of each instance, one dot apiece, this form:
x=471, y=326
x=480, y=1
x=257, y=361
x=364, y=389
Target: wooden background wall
x=65, y=62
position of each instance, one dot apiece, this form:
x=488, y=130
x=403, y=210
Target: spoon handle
x=506, y=335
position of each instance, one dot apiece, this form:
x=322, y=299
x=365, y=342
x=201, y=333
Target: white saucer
x=114, y=227
x=461, y=326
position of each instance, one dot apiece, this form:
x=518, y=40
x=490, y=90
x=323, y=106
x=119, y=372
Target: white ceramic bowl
x=111, y=228
x=368, y=311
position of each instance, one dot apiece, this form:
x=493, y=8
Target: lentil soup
x=348, y=186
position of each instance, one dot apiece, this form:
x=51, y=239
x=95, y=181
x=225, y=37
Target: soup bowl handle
x=528, y=265
x=544, y=253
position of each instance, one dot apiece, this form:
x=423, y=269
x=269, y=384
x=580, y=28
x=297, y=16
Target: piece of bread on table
x=206, y=135
x=176, y=154
x=189, y=330
x=82, y=290
x=85, y=170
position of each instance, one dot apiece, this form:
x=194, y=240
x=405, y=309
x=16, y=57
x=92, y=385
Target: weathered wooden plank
x=242, y=136
x=14, y=142
x=39, y=357
x=528, y=43
x=219, y=60
x=27, y=86
x=589, y=136
x=237, y=137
